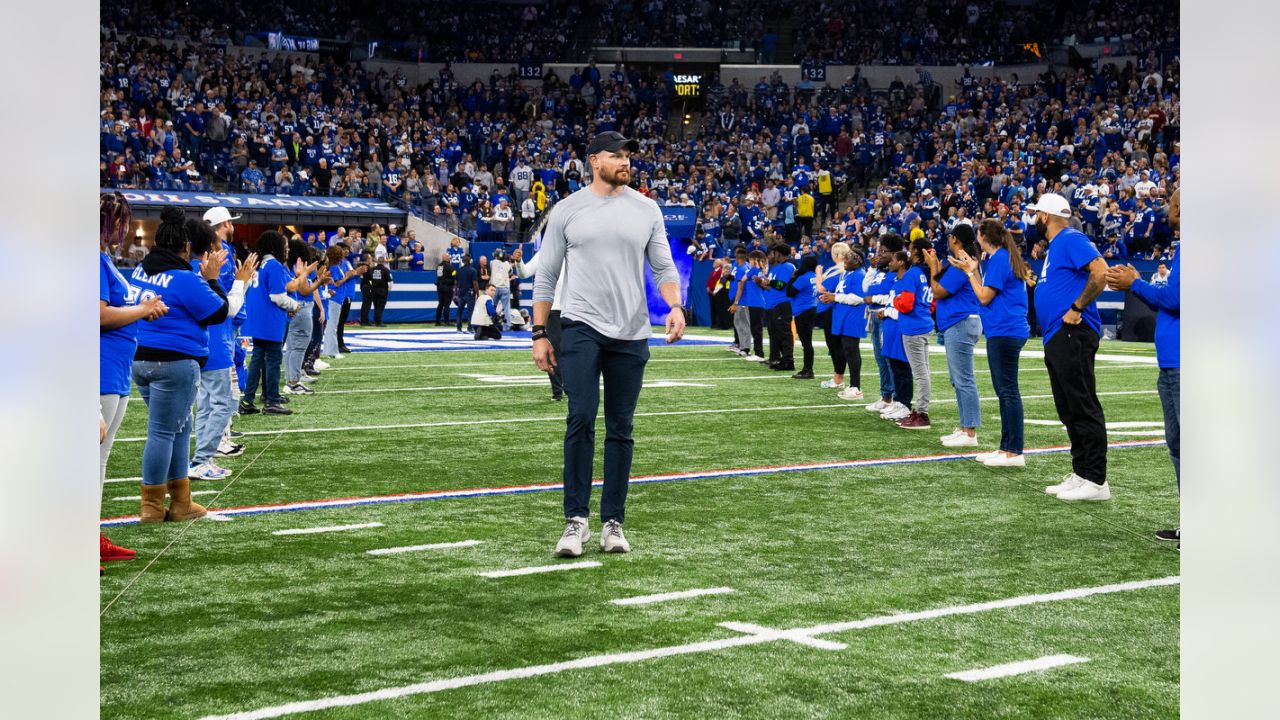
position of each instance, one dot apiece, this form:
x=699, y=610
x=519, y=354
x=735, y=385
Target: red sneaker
x=915, y=421
x=109, y=551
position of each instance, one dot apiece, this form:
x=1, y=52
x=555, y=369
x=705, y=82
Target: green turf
x=232, y=618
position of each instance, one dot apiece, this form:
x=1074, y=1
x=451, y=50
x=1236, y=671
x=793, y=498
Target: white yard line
x=583, y=565
x=193, y=492
x=666, y=597
x=419, y=548
x=594, y=661
x=1017, y=668
x=332, y=528
x=123, y=480
x=1110, y=426
x=560, y=418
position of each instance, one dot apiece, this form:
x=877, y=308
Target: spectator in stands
x=252, y=179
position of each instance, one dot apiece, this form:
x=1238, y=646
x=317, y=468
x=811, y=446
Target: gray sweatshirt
x=603, y=244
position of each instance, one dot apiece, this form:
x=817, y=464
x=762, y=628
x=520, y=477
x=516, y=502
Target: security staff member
x=375, y=287
x=446, y=275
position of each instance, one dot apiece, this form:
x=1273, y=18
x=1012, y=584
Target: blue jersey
x=1166, y=301
x=881, y=284
x=960, y=303
x=850, y=320
x=918, y=321
x=221, y=335
x=774, y=297
x=115, y=347
x=752, y=295
x=1062, y=279
x=1006, y=314
x=455, y=256
x=806, y=297
x=739, y=271
x=190, y=300
x=266, y=320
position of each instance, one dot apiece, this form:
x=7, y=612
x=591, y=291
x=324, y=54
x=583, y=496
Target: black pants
x=756, y=315
x=834, y=348
x=852, y=354
x=553, y=334
x=804, y=329
x=466, y=304
x=366, y=302
x=720, y=317
x=317, y=337
x=444, y=302
x=1069, y=356
x=903, y=386
x=781, y=342
x=487, y=332
x=342, y=322
x=378, y=298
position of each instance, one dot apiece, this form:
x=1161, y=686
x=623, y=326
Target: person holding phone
x=959, y=321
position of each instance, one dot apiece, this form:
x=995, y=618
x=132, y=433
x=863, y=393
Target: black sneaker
x=803, y=375
x=1174, y=535
x=235, y=434
x=557, y=396
x=248, y=409
x=276, y=410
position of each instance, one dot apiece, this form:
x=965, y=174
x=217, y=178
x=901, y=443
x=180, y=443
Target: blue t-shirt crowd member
x=777, y=308
x=960, y=328
x=269, y=307
x=802, y=290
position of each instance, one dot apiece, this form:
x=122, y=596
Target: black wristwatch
x=539, y=332
x=1073, y=307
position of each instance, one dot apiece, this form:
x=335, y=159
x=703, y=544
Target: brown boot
x=152, y=503
x=180, y=505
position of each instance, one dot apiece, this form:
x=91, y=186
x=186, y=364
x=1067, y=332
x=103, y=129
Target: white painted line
x=796, y=636
x=333, y=528
x=418, y=548
x=218, y=517
x=1017, y=668
x=664, y=597
x=124, y=480
x=560, y=418
x=583, y=565
x=1154, y=432
x=1110, y=426
x=594, y=661
x=193, y=492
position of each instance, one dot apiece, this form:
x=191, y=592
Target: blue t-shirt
x=891, y=339
x=830, y=281
x=1006, y=314
x=881, y=284
x=266, y=320
x=774, y=297
x=739, y=270
x=918, y=321
x=752, y=295
x=849, y=320
x=115, y=347
x=805, y=298
x=1166, y=300
x=343, y=291
x=960, y=303
x=1062, y=279
x=190, y=300
x=221, y=335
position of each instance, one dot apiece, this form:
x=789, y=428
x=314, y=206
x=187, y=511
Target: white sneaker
x=338, y=356
x=305, y=378
x=832, y=385
x=984, y=457
x=298, y=389
x=208, y=471
x=753, y=358
x=878, y=406
x=1002, y=460
x=1069, y=482
x=321, y=365
x=895, y=411
x=960, y=438
x=1086, y=490
x=612, y=540
x=732, y=348
x=850, y=393
x=576, y=532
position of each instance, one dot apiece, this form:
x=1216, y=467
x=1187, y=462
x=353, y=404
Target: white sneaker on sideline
x=984, y=457
x=321, y=365
x=953, y=433
x=207, y=471
x=895, y=411
x=753, y=358
x=612, y=540
x=1002, y=460
x=576, y=532
x=1086, y=490
x=732, y=348
x=850, y=393
x=1069, y=481
x=878, y=406
x=832, y=385
x=960, y=438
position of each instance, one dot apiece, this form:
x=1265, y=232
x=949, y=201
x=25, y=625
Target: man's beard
x=615, y=178
x=1042, y=229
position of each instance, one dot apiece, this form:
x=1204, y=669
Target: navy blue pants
x=585, y=357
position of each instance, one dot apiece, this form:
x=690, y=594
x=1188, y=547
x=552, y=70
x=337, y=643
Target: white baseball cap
x=1052, y=204
x=217, y=215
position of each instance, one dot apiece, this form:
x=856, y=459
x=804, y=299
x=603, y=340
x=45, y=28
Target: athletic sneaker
x=320, y=365
x=248, y=408
x=576, y=532
x=111, y=552
x=731, y=348
x=1087, y=491
x=298, y=389
x=338, y=356
x=1069, y=481
x=850, y=393
x=895, y=411
x=915, y=421
x=227, y=448
x=235, y=434
x=612, y=540
x=276, y=410
x=1002, y=460
x=309, y=377
x=803, y=375
x=754, y=358
x=878, y=406
x=960, y=438
x=832, y=385
x=208, y=471
x=1174, y=535
x=984, y=457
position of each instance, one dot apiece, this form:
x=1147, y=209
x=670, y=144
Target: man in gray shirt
x=599, y=239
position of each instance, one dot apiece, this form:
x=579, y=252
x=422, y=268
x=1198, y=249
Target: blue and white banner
x=354, y=206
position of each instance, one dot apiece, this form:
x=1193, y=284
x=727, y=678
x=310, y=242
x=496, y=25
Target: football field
x=386, y=552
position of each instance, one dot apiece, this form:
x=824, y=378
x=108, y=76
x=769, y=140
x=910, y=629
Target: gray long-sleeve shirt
x=603, y=243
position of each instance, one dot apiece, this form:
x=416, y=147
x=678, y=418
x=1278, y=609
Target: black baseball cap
x=611, y=142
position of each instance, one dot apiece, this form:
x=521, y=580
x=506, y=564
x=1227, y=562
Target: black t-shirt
x=379, y=277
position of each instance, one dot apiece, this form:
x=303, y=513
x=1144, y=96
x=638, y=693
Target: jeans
x=502, y=303
x=264, y=367
x=168, y=389
x=874, y=331
x=961, y=338
x=917, y=349
x=585, y=356
x=214, y=407
x=331, y=328
x=1169, y=386
x=1002, y=357
x=1069, y=356
x=466, y=304
x=297, y=338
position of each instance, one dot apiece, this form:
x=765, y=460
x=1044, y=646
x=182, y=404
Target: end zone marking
x=664, y=597
x=417, y=548
x=1017, y=668
x=583, y=565
x=332, y=528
